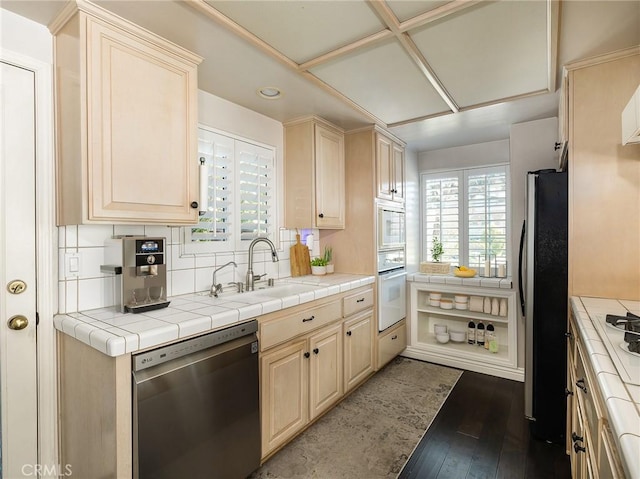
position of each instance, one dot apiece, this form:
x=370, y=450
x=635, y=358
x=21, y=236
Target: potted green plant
x=328, y=257
x=318, y=266
x=436, y=250
x=435, y=266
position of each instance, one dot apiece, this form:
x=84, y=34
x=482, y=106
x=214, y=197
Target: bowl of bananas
x=464, y=272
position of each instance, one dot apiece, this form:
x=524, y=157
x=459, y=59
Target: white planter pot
x=318, y=270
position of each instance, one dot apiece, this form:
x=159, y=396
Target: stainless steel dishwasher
x=196, y=409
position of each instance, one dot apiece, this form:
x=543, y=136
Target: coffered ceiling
x=435, y=73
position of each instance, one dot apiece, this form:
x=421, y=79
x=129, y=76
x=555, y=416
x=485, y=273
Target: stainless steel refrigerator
x=543, y=281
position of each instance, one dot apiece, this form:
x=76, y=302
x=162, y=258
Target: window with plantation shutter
x=467, y=211
x=441, y=218
x=487, y=214
x=240, y=186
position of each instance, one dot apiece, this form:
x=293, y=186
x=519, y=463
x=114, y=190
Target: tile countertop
x=115, y=333
x=450, y=279
x=622, y=399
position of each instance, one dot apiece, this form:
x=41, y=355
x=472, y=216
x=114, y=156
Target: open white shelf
x=423, y=345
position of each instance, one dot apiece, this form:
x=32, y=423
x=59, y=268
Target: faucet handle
x=239, y=286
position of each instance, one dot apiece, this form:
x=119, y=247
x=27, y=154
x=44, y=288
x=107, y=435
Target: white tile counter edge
x=623, y=408
x=478, y=282
x=114, y=333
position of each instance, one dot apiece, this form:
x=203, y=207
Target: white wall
x=26, y=37
x=412, y=208
x=479, y=154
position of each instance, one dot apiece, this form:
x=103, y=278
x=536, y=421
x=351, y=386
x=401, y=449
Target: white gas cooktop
x=627, y=363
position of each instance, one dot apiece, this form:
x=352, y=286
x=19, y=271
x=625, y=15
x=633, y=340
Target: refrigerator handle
x=520, y=258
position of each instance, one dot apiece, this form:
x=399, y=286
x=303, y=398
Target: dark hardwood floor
x=481, y=432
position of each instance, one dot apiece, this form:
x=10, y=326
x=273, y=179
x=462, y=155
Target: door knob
x=18, y=322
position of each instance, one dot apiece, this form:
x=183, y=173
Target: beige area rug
x=373, y=431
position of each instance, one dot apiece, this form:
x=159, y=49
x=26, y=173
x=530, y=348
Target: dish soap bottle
x=480, y=334
x=471, y=333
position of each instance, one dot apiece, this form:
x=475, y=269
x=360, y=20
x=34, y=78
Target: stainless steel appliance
x=391, y=227
x=392, y=292
x=196, y=410
x=543, y=282
x=139, y=265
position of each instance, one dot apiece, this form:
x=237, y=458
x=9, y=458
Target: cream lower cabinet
x=358, y=349
x=391, y=342
x=592, y=450
x=126, y=122
x=309, y=359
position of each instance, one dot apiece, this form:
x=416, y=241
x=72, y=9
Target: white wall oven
x=391, y=227
x=391, y=287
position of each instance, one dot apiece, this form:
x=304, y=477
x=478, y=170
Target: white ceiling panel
x=406, y=9
x=303, y=30
x=383, y=80
x=492, y=51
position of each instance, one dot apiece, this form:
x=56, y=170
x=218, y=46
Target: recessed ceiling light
x=269, y=92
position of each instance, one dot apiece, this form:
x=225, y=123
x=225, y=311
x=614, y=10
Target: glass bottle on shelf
x=471, y=333
x=480, y=334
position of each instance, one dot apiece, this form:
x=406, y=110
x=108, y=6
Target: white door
x=18, y=379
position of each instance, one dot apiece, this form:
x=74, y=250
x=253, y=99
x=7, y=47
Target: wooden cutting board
x=300, y=260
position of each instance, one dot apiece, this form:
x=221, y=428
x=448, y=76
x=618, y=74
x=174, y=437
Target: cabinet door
x=398, y=173
x=384, y=168
x=284, y=394
x=358, y=349
x=325, y=377
x=142, y=142
x=329, y=171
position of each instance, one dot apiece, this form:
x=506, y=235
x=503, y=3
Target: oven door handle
x=390, y=276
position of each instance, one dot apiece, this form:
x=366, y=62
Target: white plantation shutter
x=441, y=218
x=255, y=186
x=240, y=187
x=487, y=214
x=218, y=153
x=468, y=211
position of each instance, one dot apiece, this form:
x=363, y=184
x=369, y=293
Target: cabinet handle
x=576, y=438
x=348, y=333
x=194, y=204
x=304, y=320
x=395, y=336
x=321, y=215
x=359, y=300
x=580, y=384
x=306, y=355
x=578, y=448
x=568, y=335
x=567, y=392
x=316, y=350
x=557, y=146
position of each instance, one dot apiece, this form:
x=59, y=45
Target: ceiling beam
x=388, y=17
x=437, y=13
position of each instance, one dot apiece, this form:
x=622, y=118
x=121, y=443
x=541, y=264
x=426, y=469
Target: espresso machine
x=139, y=266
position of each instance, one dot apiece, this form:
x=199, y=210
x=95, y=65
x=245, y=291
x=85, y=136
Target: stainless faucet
x=217, y=287
x=251, y=278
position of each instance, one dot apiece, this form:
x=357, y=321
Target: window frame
x=462, y=175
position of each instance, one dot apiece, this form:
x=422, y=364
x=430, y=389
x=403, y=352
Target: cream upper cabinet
x=314, y=175
x=126, y=121
x=389, y=169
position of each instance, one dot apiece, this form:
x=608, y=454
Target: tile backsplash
x=89, y=288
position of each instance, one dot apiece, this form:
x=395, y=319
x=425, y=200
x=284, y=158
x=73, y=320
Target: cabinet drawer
x=282, y=329
x=392, y=344
x=357, y=302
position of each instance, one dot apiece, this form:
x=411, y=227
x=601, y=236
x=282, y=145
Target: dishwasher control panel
x=177, y=350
